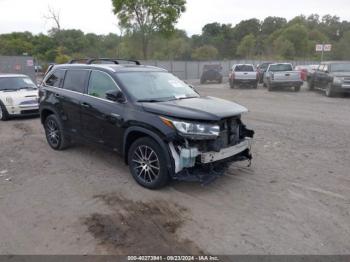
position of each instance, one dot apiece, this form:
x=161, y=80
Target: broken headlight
x=193, y=130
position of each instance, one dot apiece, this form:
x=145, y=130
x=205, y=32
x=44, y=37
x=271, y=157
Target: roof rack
x=90, y=61
x=113, y=60
x=79, y=61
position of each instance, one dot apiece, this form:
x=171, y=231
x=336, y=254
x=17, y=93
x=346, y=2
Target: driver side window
x=100, y=83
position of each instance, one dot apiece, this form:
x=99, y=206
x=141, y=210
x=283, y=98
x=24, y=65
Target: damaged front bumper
x=193, y=165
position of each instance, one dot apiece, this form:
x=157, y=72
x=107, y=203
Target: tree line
x=272, y=38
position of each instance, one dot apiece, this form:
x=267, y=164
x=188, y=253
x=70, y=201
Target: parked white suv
x=18, y=96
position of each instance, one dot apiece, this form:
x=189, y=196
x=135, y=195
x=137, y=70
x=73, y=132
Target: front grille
x=347, y=81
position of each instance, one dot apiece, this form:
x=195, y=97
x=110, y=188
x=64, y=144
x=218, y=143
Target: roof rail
x=79, y=61
x=113, y=60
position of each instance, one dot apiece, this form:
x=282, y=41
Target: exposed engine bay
x=205, y=159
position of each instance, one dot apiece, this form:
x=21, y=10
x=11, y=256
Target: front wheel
x=147, y=163
x=54, y=133
x=4, y=115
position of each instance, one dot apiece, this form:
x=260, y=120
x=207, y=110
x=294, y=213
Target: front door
x=101, y=118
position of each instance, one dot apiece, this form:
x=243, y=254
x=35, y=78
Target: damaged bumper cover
x=192, y=164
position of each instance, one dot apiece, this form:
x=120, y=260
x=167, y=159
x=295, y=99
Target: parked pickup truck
x=331, y=77
x=282, y=75
x=243, y=75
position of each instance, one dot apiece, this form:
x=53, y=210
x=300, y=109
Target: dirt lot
x=295, y=199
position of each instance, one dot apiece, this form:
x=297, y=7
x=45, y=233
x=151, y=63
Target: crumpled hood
x=201, y=108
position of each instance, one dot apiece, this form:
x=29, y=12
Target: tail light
x=233, y=76
x=301, y=75
x=257, y=75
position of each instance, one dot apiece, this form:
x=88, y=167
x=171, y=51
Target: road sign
x=323, y=48
x=319, y=48
x=327, y=48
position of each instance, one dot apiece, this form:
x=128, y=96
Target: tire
x=54, y=133
x=310, y=85
x=220, y=81
x=297, y=88
x=329, y=90
x=232, y=85
x=4, y=115
x=202, y=81
x=255, y=86
x=264, y=85
x=147, y=163
x=269, y=87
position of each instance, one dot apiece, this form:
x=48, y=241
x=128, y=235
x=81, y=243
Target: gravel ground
x=294, y=199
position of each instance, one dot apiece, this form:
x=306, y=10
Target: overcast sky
x=97, y=17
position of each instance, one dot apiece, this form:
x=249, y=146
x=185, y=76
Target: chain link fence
x=18, y=65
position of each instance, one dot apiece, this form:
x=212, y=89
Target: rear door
x=101, y=118
x=74, y=86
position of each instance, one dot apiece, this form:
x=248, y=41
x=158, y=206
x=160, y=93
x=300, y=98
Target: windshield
x=341, y=67
x=281, y=67
x=157, y=86
x=16, y=83
x=244, y=68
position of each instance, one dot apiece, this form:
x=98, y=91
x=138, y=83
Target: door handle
x=85, y=105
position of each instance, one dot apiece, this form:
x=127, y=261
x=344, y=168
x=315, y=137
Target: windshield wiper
x=27, y=87
x=149, y=101
x=8, y=89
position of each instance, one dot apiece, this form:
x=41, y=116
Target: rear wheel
x=147, y=163
x=310, y=85
x=4, y=115
x=232, y=84
x=54, y=133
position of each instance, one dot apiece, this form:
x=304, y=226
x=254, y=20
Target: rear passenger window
x=100, y=83
x=56, y=78
x=75, y=80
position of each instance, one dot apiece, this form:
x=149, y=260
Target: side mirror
x=115, y=96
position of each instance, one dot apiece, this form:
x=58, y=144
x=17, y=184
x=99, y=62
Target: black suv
x=162, y=126
x=211, y=73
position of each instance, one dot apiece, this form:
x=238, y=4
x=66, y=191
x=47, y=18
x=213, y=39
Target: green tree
x=206, y=52
x=246, y=27
x=297, y=34
x=284, y=48
x=342, y=49
x=247, y=46
x=148, y=17
x=271, y=24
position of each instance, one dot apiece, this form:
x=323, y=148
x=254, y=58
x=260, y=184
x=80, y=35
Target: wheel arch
x=136, y=132
x=45, y=112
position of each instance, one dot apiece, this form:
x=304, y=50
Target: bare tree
x=54, y=16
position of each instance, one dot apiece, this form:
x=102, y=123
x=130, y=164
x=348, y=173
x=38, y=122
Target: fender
x=157, y=138
x=46, y=107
